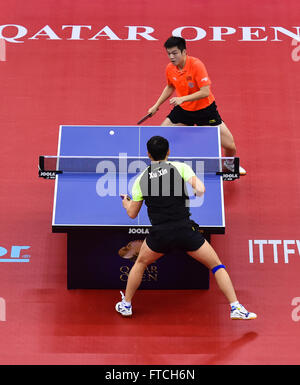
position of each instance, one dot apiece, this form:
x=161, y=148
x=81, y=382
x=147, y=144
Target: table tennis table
x=97, y=225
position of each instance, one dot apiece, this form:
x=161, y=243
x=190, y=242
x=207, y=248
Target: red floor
x=49, y=78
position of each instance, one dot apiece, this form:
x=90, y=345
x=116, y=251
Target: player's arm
x=190, y=177
x=202, y=93
x=197, y=184
x=167, y=92
x=132, y=207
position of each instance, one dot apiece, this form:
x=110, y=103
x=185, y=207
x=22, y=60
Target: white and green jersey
x=163, y=188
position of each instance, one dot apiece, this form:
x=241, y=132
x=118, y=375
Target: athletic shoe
x=230, y=167
x=239, y=312
x=125, y=311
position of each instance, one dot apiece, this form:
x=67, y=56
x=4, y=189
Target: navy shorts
x=208, y=116
x=182, y=235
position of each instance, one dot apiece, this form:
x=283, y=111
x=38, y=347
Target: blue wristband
x=216, y=268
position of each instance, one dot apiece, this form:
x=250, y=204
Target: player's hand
x=176, y=101
x=152, y=110
x=125, y=200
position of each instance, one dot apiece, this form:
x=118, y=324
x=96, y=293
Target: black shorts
x=208, y=116
x=182, y=235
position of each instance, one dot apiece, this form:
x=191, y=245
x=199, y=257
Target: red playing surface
x=46, y=82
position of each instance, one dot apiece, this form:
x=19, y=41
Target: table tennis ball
x=111, y=132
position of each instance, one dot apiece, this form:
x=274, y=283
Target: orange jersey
x=188, y=81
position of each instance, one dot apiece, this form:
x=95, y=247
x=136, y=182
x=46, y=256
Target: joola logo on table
x=133, y=230
x=14, y=254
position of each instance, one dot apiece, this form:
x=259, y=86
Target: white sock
x=127, y=304
x=236, y=303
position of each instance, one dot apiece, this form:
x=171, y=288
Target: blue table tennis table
x=95, y=221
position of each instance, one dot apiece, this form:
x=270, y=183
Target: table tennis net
x=128, y=164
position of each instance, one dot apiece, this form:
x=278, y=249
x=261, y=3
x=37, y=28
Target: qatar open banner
x=15, y=33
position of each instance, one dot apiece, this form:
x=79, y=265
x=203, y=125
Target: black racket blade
x=144, y=118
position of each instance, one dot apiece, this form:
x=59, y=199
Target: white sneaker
x=230, y=167
x=239, y=312
x=242, y=171
x=125, y=311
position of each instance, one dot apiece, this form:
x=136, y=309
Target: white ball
x=111, y=132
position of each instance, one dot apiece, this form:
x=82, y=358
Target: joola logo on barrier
x=14, y=255
x=133, y=230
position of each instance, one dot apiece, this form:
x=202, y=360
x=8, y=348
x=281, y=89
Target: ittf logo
x=14, y=255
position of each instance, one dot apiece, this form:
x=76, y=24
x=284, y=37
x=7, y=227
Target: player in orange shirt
x=194, y=103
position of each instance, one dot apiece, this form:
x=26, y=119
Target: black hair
x=158, y=147
x=175, y=41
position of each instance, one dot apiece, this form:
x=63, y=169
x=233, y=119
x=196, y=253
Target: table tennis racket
x=144, y=118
